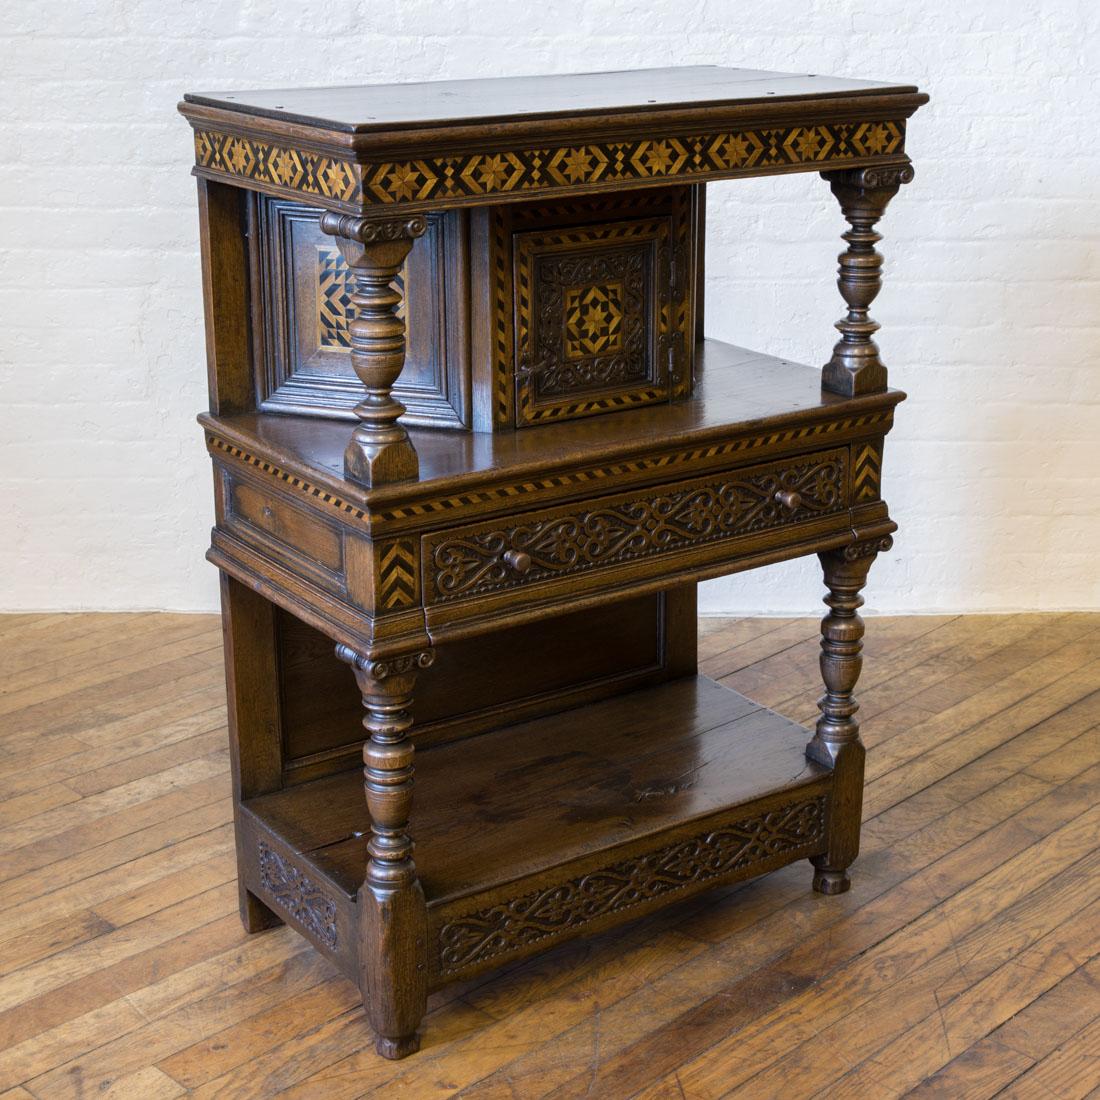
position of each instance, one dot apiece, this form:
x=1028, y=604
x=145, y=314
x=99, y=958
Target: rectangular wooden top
x=402, y=149
x=365, y=108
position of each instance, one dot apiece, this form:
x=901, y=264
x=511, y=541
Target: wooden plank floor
x=962, y=964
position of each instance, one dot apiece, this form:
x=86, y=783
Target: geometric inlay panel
x=335, y=286
x=590, y=312
x=334, y=290
x=867, y=471
x=593, y=319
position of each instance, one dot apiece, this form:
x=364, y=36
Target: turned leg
x=380, y=450
x=393, y=919
x=863, y=193
x=836, y=742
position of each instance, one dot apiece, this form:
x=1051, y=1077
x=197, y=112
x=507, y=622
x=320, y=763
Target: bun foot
x=397, y=1048
x=831, y=882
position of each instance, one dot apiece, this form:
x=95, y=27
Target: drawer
x=265, y=521
x=616, y=531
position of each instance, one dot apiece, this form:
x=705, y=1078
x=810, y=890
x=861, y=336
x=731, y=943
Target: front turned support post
x=393, y=917
x=380, y=451
x=836, y=742
x=863, y=194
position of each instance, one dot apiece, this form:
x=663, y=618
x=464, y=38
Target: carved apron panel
x=563, y=907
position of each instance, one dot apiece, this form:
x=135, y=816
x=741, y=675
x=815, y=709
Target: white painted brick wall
x=991, y=310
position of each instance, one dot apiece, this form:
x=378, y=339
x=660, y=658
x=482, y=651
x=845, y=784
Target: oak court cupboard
x=472, y=455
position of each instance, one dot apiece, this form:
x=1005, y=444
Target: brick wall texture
x=990, y=313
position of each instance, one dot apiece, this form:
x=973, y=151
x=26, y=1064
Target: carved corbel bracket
x=863, y=194
x=380, y=451
x=868, y=548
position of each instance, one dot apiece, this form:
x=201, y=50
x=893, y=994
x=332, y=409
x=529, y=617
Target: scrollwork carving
x=873, y=178
x=383, y=668
x=298, y=895
x=638, y=527
x=369, y=230
x=868, y=548
x=565, y=906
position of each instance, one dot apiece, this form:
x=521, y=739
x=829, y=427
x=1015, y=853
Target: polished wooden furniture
x=512, y=531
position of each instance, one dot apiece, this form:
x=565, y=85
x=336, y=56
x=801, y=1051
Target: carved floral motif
x=501, y=929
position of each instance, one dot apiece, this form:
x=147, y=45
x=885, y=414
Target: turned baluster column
x=393, y=918
x=836, y=742
x=863, y=194
x=380, y=450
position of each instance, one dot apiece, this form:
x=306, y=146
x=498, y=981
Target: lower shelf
x=566, y=824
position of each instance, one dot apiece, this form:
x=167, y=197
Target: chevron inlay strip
x=397, y=574
x=867, y=472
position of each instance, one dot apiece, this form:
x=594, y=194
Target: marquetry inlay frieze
x=280, y=166
x=532, y=169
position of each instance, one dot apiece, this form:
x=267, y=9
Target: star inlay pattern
x=473, y=176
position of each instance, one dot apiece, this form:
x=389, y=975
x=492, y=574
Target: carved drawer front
x=617, y=531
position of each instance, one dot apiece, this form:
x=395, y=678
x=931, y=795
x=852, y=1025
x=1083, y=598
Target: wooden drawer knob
x=517, y=561
x=789, y=499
